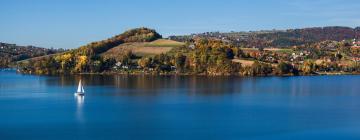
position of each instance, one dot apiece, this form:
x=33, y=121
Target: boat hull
x=79, y=94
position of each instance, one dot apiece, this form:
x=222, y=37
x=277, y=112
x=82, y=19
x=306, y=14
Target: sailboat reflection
x=80, y=100
x=79, y=108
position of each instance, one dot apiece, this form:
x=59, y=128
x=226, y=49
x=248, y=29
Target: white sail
x=80, y=88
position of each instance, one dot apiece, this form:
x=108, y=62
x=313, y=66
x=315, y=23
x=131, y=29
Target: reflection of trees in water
x=97, y=80
x=152, y=85
x=144, y=82
x=183, y=84
x=213, y=85
x=199, y=85
x=144, y=85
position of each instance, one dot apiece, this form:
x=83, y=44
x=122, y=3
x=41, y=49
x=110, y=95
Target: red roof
x=356, y=58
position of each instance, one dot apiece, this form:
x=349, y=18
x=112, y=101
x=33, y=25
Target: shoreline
x=207, y=75
x=187, y=74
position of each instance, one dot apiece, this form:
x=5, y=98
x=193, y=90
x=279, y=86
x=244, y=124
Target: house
x=356, y=43
x=355, y=47
x=299, y=57
x=356, y=59
x=118, y=64
x=192, y=46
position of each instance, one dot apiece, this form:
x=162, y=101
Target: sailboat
x=80, y=90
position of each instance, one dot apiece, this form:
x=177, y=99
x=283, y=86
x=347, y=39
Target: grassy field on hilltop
x=142, y=49
x=164, y=43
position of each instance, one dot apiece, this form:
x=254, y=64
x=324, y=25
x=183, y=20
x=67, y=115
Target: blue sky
x=72, y=23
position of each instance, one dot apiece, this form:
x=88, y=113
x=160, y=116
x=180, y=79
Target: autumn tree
x=144, y=62
x=308, y=67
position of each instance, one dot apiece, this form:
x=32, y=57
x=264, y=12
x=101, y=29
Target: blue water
x=179, y=108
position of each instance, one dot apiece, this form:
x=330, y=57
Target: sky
x=72, y=23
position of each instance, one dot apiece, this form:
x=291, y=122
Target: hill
x=10, y=53
x=134, y=35
x=86, y=58
x=279, y=38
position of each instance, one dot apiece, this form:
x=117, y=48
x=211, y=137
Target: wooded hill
x=280, y=38
x=10, y=53
x=87, y=58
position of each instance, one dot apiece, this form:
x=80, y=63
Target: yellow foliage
x=144, y=62
x=64, y=59
x=81, y=63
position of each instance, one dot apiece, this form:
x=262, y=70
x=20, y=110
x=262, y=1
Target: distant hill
x=280, y=38
x=357, y=30
x=10, y=53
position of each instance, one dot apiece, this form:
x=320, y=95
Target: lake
x=179, y=107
